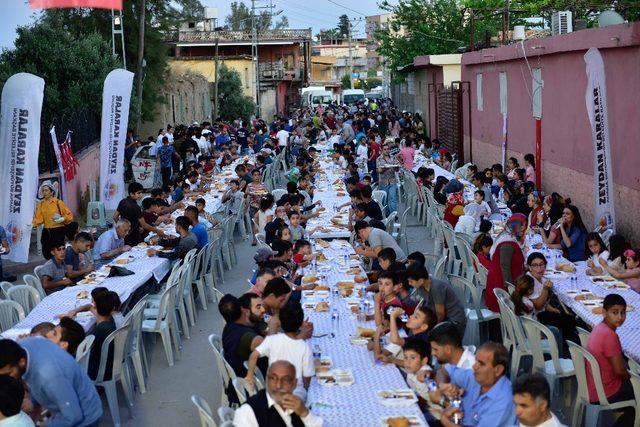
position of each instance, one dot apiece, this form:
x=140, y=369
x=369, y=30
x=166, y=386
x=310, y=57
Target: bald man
x=276, y=406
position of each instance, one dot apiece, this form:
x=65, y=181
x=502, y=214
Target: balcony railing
x=195, y=36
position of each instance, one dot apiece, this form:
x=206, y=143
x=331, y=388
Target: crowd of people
x=420, y=320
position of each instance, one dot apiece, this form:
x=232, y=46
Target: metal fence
x=85, y=130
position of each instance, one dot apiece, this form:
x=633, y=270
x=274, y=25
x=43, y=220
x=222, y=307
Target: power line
x=345, y=7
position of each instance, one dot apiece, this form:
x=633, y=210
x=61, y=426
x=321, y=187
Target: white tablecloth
x=355, y=405
x=327, y=195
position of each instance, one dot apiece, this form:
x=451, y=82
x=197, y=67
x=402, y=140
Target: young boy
x=204, y=215
x=420, y=322
x=303, y=253
x=12, y=393
x=478, y=209
x=604, y=344
x=386, y=296
x=416, y=358
x=387, y=261
x=415, y=258
x=297, y=231
x=286, y=345
x=54, y=271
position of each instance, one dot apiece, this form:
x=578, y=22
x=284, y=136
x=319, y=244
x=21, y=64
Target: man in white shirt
x=531, y=396
x=446, y=346
x=283, y=137
x=276, y=405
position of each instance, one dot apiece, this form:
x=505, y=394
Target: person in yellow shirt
x=54, y=215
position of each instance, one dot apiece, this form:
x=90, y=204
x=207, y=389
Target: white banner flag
x=596, y=99
x=115, y=117
x=56, y=149
x=20, y=135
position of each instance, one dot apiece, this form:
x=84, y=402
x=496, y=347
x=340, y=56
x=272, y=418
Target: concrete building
x=372, y=24
x=418, y=90
x=283, y=61
x=553, y=78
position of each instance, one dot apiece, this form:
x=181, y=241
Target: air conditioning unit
x=561, y=23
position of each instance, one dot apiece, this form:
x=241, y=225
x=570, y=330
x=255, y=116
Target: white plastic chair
x=635, y=383
x=582, y=404
x=4, y=289
x=439, y=271
x=24, y=295
x=243, y=389
x=134, y=350
x=83, y=351
x=37, y=271
x=226, y=413
x=390, y=221
x=118, y=340
x=162, y=321
x=380, y=196
x=278, y=193
x=226, y=372
x=204, y=411
x=554, y=369
x=583, y=335
x=200, y=272
x=10, y=313
x=401, y=231
x=476, y=314
x=634, y=367
x=35, y=283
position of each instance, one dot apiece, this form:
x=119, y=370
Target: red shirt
x=374, y=150
x=254, y=290
x=394, y=302
x=603, y=343
x=483, y=260
x=298, y=258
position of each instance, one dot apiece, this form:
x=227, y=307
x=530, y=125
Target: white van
x=306, y=92
x=144, y=167
x=323, y=97
x=350, y=96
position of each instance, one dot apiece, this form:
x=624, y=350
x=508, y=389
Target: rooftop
x=208, y=38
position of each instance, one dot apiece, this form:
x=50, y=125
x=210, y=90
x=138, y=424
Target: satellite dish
x=608, y=18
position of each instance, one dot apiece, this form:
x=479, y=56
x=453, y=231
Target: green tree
x=233, y=104
x=345, y=81
x=343, y=25
x=240, y=19
x=73, y=68
x=161, y=18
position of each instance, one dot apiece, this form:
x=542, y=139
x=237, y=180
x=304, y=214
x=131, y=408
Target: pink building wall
x=567, y=150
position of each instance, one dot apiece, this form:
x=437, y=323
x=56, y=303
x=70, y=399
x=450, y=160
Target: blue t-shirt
x=166, y=155
x=576, y=251
x=200, y=232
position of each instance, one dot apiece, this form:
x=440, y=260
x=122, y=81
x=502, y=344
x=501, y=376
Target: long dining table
x=357, y=404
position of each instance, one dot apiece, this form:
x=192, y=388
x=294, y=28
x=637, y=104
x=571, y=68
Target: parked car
x=144, y=167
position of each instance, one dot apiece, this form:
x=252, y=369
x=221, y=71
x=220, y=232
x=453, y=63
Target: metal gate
x=446, y=113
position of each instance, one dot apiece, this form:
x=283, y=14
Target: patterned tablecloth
x=357, y=404
x=629, y=332
x=328, y=196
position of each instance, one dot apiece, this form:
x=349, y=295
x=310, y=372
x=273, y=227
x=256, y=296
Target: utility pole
x=140, y=64
x=350, y=56
x=254, y=54
x=215, y=84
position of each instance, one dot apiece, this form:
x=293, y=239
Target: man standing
x=531, y=396
x=387, y=166
x=283, y=138
x=56, y=381
x=277, y=405
x=166, y=153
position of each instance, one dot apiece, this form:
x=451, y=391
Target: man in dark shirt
x=373, y=208
x=242, y=135
x=181, y=245
x=129, y=209
x=77, y=263
x=105, y=325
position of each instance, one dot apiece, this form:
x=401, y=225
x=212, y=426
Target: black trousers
x=50, y=238
x=564, y=322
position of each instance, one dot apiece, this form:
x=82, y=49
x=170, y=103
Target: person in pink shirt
x=406, y=155
x=529, y=167
x=631, y=273
x=604, y=345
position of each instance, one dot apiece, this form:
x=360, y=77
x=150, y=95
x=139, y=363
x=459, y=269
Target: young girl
x=537, y=216
x=446, y=161
x=482, y=247
x=283, y=233
x=617, y=246
x=530, y=167
x=631, y=274
x=265, y=213
x=478, y=208
x=595, y=249
x=512, y=165
x=520, y=296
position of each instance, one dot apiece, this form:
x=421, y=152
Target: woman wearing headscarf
x=54, y=215
x=455, y=202
x=507, y=259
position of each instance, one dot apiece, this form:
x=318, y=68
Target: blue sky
x=317, y=14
